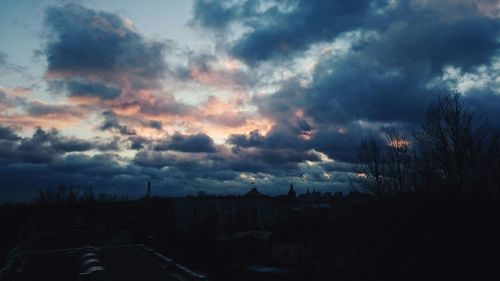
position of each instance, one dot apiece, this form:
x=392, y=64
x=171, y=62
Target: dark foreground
x=262, y=238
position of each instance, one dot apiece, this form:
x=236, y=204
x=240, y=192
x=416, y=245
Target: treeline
x=451, y=154
x=69, y=195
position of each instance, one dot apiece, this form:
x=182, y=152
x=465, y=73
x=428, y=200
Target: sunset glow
x=210, y=94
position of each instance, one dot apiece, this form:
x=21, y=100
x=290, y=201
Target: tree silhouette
x=449, y=146
x=369, y=170
x=451, y=155
x=398, y=162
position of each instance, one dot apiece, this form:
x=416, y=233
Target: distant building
x=254, y=193
x=291, y=193
x=254, y=210
x=311, y=196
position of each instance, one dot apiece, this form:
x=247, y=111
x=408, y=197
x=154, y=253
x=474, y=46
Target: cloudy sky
x=214, y=95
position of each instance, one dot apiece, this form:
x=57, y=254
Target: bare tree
x=398, y=162
x=369, y=170
x=487, y=170
x=88, y=195
x=494, y=154
x=450, y=154
x=448, y=144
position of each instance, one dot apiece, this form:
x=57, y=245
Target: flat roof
x=124, y=263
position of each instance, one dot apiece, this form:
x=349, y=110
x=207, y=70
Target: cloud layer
x=285, y=94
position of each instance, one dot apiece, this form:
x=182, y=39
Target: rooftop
x=124, y=263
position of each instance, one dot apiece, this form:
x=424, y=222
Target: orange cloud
x=46, y=122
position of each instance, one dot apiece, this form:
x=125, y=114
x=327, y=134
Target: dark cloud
x=87, y=89
x=112, y=122
x=83, y=40
x=138, y=143
x=103, y=172
x=423, y=32
x=208, y=69
x=286, y=157
x=39, y=109
x=384, y=78
x=255, y=153
x=164, y=105
x=72, y=145
x=278, y=138
x=394, y=67
x=202, y=62
x=387, y=78
x=38, y=149
x=160, y=159
x=9, y=134
x=98, y=54
x=46, y=147
x=308, y=23
x=339, y=143
x=290, y=144
x=277, y=32
x=8, y=143
x=363, y=87
x=48, y=159
x=191, y=166
x=213, y=14
x=485, y=104
x=253, y=139
x=155, y=124
x=52, y=159
x=108, y=145
x=281, y=147
x=105, y=164
x=188, y=143
x=426, y=39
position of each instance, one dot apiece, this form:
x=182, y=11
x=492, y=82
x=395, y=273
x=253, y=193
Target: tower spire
x=291, y=192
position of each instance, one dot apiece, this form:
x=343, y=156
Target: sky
x=223, y=96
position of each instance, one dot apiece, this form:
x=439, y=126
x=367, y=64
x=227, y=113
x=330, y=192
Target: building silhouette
x=291, y=192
